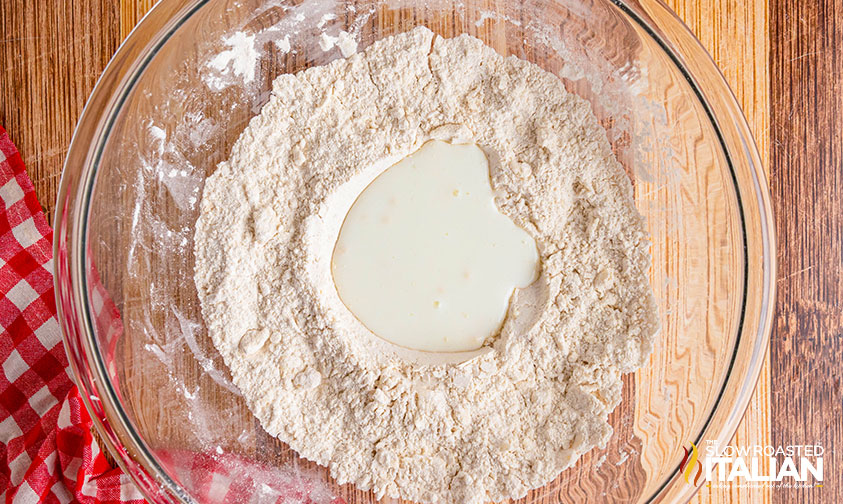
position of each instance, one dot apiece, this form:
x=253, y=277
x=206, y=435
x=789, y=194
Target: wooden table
x=783, y=59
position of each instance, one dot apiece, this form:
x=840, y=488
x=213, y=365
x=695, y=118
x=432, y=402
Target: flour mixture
x=423, y=426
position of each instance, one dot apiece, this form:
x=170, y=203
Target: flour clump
x=400, y=423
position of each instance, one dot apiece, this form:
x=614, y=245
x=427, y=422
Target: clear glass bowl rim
x=121, y=74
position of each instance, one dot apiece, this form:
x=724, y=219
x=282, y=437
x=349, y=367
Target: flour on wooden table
x=391, y=420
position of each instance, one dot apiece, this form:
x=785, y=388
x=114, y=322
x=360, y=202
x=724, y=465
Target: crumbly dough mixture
x=401, y=423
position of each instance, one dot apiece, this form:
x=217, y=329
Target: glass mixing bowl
x=184, y=85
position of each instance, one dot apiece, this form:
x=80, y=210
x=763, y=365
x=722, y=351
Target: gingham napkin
x=47, y=451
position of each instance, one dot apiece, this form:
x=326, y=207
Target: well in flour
x=536, y=397
x=425, y=260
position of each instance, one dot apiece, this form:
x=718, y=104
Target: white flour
x=391, y=420
x=240, y=59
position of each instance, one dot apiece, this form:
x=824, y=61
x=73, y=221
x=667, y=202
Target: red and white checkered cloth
x=47, y=451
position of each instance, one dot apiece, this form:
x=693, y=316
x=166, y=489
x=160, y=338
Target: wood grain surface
x=51, y=55
x=735, y=33
x=806, y=70
x=52, y=51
